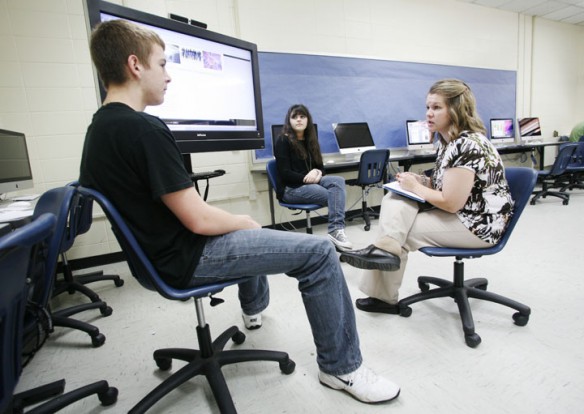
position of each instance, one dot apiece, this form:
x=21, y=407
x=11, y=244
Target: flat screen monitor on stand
x=419, y=137
x=15, y=171
x=502, y=131
x=529, y=129
x=214, y=101
x=353, y=138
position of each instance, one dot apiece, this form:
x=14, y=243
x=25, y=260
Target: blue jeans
x=330, y=191
x=309, y=259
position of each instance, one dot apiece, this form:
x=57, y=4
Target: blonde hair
x=111, y=44
x=461, y=105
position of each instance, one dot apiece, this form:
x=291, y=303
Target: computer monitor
x=15, y=171
x=419, y=136
x=529, y=129
x=277, y=130
x=213, y=102
x=502, y=130
x=353, y=138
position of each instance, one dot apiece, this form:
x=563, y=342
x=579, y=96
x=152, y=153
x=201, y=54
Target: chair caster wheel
x=238, y=337
x=163, y=364
x=287, y=367
x=119, y=282
x=520, y=320
x=405, y=311
x=565, y=202
x=367, y=228
x=106, y=310
x=532, y=202
x=98, y=340
x=424, y=287
x=109, y=397
x=472, y=340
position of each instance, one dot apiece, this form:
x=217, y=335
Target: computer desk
x=406, y=159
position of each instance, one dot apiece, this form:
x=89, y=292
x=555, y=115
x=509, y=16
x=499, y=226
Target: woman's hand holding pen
x=313, y=176
x=408, y=181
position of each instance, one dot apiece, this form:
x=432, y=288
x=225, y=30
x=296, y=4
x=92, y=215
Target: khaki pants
x=400, y=220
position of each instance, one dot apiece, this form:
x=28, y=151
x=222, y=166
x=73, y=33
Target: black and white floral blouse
x=489, y=206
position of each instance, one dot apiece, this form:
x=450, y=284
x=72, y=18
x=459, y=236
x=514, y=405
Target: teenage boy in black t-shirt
x=131, y=157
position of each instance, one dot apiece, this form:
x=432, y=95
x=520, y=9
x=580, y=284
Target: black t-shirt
x=131, y=157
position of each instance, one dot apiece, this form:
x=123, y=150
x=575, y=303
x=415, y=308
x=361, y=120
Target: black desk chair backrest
x=211, y=356
x=372, y=172
x=521, y=182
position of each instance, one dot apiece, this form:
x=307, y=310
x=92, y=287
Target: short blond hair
x=111, y=44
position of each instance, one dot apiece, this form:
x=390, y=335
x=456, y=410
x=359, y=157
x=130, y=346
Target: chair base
x=208, y=361
x=543, y=194
x=461, y=290
x=107, y=396
x=366, y=214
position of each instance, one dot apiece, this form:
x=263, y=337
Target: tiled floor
x=538, y=368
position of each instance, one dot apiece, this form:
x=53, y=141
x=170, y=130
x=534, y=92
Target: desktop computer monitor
x=529, y=129
x=502, y=131
x=353, y=138
x=277, y=130
x=15, y=171
x=419, y=136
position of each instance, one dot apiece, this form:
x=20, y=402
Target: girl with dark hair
x=301, y=171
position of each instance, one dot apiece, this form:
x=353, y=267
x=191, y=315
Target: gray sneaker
x=340, y=240
x=363, y=385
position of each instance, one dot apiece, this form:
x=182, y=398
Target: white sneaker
x=252, y=321
x=363, y=385
x=340, y=240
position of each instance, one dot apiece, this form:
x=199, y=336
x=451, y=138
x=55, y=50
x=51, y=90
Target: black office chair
x=274, y=181
x=61, y=202
x=22, y=255
x=555, y=177
x=575, y=170
x=372, y=169
x=211, y=356
x=521, y=181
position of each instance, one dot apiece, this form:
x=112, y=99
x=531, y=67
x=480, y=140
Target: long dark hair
x=310, y=137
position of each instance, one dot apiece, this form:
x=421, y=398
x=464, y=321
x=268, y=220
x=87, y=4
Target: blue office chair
x=211, y=356
x=575, y=170
x=21, y=256
x=275, y=184
x=79, y=223
x=61, y=202
x=372, y=171
x=556, y=175
x=521, y=181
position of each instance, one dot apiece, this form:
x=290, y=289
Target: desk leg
x=271, y=197
x=540, y=150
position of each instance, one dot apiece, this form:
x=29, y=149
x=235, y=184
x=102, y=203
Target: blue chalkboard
x=382, y=93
